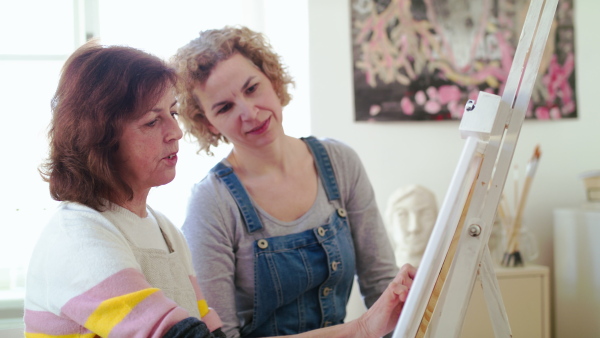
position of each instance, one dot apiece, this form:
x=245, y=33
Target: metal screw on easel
x=474, y=230
x=470, y=105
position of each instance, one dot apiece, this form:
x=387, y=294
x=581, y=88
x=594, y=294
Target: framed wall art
x=419, y=60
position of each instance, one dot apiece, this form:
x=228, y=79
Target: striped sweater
x=113, y=274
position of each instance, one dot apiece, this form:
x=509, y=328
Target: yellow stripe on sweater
x=75, y=335
x=112, y=311
x=203, y=307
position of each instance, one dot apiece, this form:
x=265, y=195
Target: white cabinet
x=526, y=296
x=577, y=271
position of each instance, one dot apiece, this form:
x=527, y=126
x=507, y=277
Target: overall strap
x=239, y=194
x=324, y=167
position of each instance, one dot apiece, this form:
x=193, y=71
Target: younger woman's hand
x=383, y=316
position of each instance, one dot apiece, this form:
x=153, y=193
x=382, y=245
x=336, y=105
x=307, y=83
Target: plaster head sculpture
x=409, y=218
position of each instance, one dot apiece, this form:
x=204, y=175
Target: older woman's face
x=148, y=147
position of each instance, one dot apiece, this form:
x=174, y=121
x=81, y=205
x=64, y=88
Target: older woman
x=107, y=264
x=280, y=227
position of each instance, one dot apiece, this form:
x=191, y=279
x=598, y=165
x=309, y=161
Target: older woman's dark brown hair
x=100, y=88
x=195, y=61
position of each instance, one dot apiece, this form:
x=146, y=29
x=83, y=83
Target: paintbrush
x=504, y=215
x=512, y=256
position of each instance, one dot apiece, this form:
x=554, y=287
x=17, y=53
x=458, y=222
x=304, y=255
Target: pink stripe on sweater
x=154, y=309
x=51, y=324
x=121, y=283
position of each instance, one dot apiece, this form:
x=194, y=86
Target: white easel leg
x=493, y=297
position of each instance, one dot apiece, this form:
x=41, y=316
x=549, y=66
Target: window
x=42, y=34
x=33, y=47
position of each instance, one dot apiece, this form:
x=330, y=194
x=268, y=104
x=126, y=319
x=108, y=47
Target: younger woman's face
x=240, y=103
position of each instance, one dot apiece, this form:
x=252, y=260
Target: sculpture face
x=410, y=217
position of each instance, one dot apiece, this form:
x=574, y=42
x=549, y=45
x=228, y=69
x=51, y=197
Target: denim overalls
x=303, y=280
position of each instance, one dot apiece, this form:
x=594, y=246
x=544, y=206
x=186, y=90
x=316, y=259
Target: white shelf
x=12, y=299
x=11, y=313
x=577, y=271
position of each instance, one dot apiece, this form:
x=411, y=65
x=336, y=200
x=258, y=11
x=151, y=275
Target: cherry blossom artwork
x=419, y=60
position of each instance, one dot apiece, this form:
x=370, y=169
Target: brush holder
x=527, y=249
x=528, y=245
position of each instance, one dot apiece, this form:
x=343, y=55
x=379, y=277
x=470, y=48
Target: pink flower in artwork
x=420, y=98
x=432, y=92
x=555, y=113
x=448, y=94
x=568, y=108
x=408, y=108
x=557, y=83
x=375, y=110
x=456, y=110
x=432, y=107
x=542, y=113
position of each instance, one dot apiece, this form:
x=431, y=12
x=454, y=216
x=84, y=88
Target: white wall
x=400, y=153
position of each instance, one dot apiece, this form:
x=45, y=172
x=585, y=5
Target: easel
x=457, y=251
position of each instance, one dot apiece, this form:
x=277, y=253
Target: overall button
x=334, y=265
x=326, y=292
x=326, y=324
x=321, y=231
x=341, y=212
x=263, y=244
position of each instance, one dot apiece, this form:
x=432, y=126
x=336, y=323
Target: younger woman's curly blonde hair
x=195, y=61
